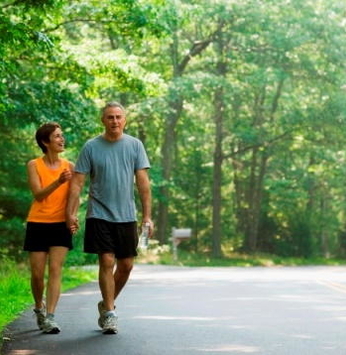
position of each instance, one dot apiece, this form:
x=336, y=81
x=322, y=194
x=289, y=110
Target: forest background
x=240, y=104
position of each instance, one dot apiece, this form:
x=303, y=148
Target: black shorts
x=120, y=239
x=42, y=236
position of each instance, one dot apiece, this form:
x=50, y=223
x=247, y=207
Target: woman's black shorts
x=42, y=236
x=120, y=239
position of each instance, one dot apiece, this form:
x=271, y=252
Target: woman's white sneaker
x=50, y=326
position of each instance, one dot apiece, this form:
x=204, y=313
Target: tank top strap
x=39, y=164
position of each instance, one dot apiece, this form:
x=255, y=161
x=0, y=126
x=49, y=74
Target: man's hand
x=151, y=226
x=72, y=224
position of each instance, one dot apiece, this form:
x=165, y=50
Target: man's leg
x=106, y=280
x=108, y=318
x=122, y=273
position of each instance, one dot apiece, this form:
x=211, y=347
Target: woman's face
x=56, y=141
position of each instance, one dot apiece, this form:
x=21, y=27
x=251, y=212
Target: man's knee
x=106, y=261
x=125, y=266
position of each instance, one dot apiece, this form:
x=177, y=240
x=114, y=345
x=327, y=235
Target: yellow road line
x=333, y=285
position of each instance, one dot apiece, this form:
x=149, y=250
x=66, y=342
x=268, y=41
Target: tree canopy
x=239, y=105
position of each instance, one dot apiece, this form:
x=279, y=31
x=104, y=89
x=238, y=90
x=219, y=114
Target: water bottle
x=144, y=237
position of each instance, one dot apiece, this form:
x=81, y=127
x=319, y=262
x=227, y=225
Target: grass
x=185, y=258
x=15, y=292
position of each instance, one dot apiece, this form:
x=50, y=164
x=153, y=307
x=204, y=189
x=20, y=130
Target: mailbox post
x=178, y=235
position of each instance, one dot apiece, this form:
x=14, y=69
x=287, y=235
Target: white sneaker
x=110, y=325
x=50, y=326
x=102, y=312
x=40, y=316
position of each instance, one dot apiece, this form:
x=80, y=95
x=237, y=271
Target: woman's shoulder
x=33, y=162
x=66, y=163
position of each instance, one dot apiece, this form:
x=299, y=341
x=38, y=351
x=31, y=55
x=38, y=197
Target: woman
x=47, y=237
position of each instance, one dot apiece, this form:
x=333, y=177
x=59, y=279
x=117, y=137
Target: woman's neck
x=52, y=160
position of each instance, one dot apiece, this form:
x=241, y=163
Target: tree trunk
x=255, y=200
x=167, y=150
x=323, y=232
x=219, y=113
x=217, y=175
x=175, y=107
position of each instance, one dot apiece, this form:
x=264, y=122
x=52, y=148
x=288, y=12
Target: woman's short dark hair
x=43, y=134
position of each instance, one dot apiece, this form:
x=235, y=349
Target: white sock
x=110, y=314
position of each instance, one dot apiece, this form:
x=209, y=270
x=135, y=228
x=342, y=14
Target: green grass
x=15, y=292
x=164, y=256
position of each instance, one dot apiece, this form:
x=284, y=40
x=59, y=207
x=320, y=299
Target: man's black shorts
x=120, y=239
x=42, y=236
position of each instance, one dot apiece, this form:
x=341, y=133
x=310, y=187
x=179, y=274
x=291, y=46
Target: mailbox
x=178, y=235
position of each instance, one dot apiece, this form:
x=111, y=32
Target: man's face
x=114, y=121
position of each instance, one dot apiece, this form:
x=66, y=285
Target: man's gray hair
x=112, y=104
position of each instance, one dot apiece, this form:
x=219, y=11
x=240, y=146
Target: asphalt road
x=172, y=310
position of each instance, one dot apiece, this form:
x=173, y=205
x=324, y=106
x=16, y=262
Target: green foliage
x=282, y=87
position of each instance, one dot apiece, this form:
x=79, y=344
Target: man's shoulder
x=131, y=139
x=92, y=141
x=95, y=139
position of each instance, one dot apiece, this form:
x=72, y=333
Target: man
x=112, y=160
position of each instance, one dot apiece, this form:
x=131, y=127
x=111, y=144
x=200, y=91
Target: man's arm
x=143, y=186
x=76, y=187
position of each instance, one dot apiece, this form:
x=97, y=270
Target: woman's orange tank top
x=52, y=208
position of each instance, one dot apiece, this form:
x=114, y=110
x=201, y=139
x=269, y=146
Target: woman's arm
x=39, y=192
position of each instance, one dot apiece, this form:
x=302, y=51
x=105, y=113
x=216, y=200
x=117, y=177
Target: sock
x=40, y=309
x=50, y=315
x=110, y=314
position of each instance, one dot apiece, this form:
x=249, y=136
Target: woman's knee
x=54, y=272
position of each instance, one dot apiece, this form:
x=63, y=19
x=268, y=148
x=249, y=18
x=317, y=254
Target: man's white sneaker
x=102, y=312
x=110, y=325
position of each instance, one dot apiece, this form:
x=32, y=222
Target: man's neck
x=111, y=137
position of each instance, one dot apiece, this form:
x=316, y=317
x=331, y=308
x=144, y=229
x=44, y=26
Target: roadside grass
x=163, y=255
x=15, y=292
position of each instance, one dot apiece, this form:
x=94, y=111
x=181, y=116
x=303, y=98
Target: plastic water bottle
x=144, y=237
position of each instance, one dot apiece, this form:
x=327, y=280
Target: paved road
x=189, y=311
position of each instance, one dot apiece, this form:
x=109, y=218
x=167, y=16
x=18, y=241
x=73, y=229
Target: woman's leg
x=37, y=261
x=55, y=263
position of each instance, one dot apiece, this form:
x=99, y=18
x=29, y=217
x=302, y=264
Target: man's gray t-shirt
x=112, y=166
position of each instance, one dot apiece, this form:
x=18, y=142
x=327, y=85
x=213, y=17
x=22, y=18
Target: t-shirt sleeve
x=83, y=164
x=142, y=161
